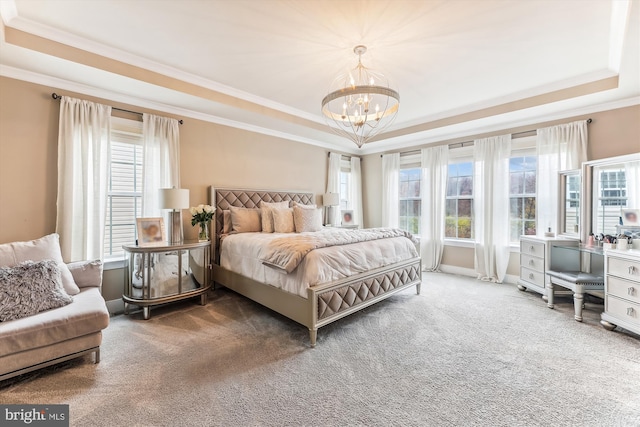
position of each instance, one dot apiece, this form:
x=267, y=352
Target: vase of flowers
x=201, y=215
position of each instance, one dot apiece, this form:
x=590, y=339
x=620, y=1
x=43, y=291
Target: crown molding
x=62, y=84
x=423, y=138
x=53, y=34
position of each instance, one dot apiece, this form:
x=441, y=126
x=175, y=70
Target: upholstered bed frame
x=325, y=303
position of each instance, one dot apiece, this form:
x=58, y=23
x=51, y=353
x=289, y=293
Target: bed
x=318, y=304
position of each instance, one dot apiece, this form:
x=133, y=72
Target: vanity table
x=535, y=260
x=578, y=268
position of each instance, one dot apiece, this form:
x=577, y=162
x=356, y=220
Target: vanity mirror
x=569, y=203
x=608, y=185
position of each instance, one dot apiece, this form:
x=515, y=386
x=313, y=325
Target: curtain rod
x=469, y=143
x=56, y=96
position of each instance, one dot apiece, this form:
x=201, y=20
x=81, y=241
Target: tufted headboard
x=223, y=198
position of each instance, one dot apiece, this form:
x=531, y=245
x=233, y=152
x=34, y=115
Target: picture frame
x=630, y=217
x=151, y=231
x=347, y=217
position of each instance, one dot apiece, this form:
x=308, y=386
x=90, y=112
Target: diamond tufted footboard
x=338, y=299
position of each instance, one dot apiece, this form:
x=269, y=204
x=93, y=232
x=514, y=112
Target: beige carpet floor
x=462, y=353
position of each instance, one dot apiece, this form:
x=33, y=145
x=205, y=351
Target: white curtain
x=355, y=191
x=435, y=162
x=632, y=175
x=83, y=164
x=391, y=190
x=161, y=160
x=491, y=207
x=333, y=185
x=559, y=148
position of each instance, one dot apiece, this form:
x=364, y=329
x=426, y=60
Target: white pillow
x=294, y=204
x=266, y=209
x=306, y=219
x=283, y=220
x=42, y=249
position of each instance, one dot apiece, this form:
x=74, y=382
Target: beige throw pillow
x=227, y=227
x=244, y=220
x=306, y=219
x=42, y=249
x=266, y=209
x=283, y=220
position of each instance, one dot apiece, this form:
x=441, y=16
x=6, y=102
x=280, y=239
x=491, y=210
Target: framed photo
x=347, y=217
x=631, y=217
x=151, y=231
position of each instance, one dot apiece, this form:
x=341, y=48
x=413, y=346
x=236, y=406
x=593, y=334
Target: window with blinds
x=124, y=193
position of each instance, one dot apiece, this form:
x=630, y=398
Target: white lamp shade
x=174, y=198
x=331, y=199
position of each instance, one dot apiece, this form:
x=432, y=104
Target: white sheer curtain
x=632, y=175
x=391, y=190
x=83, y=164
x=333, y=184
x=491, y=207
x=161, y=160
x=435, y=162
x=355, y=191
x=559, y=148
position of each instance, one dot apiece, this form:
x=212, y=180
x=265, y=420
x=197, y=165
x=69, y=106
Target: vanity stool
x=578, y=282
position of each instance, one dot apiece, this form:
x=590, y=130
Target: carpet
x=462, y=353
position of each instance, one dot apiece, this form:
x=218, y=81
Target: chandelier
x=360, y=104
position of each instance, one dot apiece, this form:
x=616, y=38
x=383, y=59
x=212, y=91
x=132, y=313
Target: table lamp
x=330, y=200
x=175, y=199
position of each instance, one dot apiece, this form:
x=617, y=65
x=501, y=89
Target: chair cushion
x=87, y=314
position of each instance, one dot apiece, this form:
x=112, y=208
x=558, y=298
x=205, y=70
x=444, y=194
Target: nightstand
x=165, y=273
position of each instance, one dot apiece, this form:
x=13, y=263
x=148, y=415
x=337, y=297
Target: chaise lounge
x=53, y=335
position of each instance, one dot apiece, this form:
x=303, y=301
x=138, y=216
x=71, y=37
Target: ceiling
x=462, y=67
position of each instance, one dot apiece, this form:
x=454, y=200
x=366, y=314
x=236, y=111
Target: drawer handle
x=631, y=290
x=531, y=248
x=531, y=263
x=630, y=311
x=632, y=269
x=531, y=276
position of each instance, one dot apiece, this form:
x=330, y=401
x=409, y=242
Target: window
x=345, y=183
x=410, y=200
x=611, y=192
x=459, y=201
x=344, y=189
x=522, y=193
x=124, y=192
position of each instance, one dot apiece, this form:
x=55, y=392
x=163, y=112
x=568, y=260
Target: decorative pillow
x=86, y=273
x=29, y=288
x=44, y=248
x=245, y=220
x=300, y=205
x=266, y=210
x=307, y=219
x=227, y=227
x=283, y=220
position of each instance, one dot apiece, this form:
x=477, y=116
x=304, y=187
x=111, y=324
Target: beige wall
x=210, y=154
x=612, y=133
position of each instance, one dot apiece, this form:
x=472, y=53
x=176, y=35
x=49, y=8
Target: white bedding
x=241, y=254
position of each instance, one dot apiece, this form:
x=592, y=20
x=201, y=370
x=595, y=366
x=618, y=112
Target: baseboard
x=460, y=271
x=469, y=272
x=115, y=306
